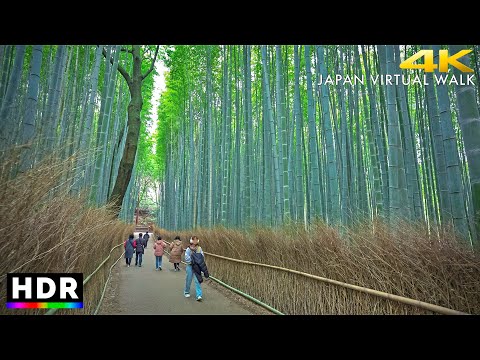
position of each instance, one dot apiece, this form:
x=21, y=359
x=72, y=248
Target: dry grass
x=46, y=230
x=403, y=260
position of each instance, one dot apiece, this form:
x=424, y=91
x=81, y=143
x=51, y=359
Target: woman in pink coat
x=158, y=248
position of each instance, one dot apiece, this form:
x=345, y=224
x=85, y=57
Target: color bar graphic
x=44, y=305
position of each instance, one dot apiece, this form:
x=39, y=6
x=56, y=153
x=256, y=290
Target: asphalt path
x=146, y=291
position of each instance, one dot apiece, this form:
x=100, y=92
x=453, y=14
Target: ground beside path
x=145, y=291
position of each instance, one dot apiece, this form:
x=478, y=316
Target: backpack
x=199, y=260
x=195, y=254
x=131, y=242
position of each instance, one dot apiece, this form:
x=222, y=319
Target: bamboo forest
x=369, y=154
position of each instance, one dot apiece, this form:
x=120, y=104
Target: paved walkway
x=143, y=290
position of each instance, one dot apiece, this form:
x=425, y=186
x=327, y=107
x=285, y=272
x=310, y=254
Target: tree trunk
x=469, y=120
x=299, y=184
x=396, y=172
x=6, y=120
x=31, y=108
x=131, y=143
x=332, y=201
x=314, y=173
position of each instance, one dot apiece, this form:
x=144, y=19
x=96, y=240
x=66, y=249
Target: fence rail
x=87, y=279
x=417, y=303
x=404, y=300
x=245, y=295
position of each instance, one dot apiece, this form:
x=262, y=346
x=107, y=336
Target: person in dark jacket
x=129, y=249
x=194, y=254
x=146, y=237
x=139, y=250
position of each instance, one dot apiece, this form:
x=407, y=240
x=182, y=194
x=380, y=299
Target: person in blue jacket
x=195, y=261
x=129, y=249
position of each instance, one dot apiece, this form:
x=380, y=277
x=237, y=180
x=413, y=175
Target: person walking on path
x=129, y=249
x=139, y=250
x=176, y=250
x=146, y=237
x=190, y=255
x=159, y=248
